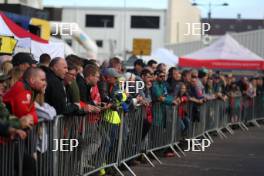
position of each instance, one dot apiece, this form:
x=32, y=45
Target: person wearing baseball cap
x=111, y=72
x=114, y=92
x=23, y=61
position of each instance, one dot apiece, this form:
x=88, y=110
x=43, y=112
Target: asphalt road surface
x=239, y=155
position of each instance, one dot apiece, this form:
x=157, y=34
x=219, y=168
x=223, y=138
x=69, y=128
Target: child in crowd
x=182, y=109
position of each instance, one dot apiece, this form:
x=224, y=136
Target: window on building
x=249, y=27
x=106, y=21
x=99, y=43
x=231, y=26
x=217, y=26
x=260, y=27
x=145, y=22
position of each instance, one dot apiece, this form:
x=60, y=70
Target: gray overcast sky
x=247, y=8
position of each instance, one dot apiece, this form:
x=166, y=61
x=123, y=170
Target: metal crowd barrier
x=133, y=135
x=235, y=113
x=103, y=144
x=28, y=157
x=67, y=161
x=7, y=159
x=162, y=132
x=45, y=156
x=258, y=108
x=100, y=143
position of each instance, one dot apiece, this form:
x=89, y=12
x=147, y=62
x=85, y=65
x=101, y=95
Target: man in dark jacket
x=79, y=63
x=44, y=61
x=80, y=79
x=55, y=94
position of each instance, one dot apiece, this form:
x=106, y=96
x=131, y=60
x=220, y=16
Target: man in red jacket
x=20, y=98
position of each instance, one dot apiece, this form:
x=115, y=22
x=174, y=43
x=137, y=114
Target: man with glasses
x=161, y=106
x=147, y=77
x=160, y=91
x=72, y=89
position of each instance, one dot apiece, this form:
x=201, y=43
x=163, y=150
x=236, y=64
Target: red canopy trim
x=19, y=31
x=222, y=64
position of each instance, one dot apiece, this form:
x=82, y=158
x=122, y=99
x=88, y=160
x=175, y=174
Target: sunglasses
x=162, y=76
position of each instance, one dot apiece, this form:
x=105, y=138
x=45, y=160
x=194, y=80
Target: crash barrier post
x=204, y=119
x=30, y=156
x=162, y=132
x=7, y=157
x=101, y=142
x=135, y=126
x=68, y=128
x=223, y=117
x=247, y=109
x=259, y=105
x=181, y=124
x=211, y=118
x=197, y=114
x=235, y=112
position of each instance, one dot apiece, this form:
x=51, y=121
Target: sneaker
x=169, y=154
x=102, y=172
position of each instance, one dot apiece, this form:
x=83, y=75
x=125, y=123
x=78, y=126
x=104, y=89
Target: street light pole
x=124, y=37
x=210, y=5
x=210, y=11
x=105, y=43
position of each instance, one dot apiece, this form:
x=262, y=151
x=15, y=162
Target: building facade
x=181, y=17
x=116, y=29
x=38, y=4
x=253, y=40
x=221, y=26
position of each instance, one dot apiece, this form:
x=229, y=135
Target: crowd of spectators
x=30, y=90
x=74, y=85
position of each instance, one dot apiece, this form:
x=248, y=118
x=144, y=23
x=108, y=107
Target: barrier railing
x=163, y=132
x=104, y=144
x=7, y=159
x=258, y=108
x=100, y=143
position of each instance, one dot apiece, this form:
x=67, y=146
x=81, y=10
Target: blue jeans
x=184, y=123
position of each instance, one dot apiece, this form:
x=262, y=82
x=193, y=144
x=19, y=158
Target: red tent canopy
x=225, y=53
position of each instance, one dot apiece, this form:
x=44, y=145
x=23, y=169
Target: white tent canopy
x=163, y=55
x=224, y=53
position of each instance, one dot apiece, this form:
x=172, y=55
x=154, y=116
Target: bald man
x=55, y=94
x=20, y=98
